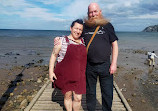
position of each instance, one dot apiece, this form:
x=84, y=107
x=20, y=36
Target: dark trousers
x=106, y=83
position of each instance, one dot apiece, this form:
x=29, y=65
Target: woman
x=69, y=73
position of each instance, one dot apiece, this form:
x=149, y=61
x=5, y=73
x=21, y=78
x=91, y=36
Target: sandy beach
x=137, y=81
x=19, y=84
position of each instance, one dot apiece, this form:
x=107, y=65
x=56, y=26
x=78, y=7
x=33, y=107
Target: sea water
x=138, y=40
x=43, y=39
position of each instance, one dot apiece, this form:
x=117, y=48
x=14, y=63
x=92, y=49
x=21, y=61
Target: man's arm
x=113, y=66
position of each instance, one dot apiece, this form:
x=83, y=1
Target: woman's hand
x=52, y=76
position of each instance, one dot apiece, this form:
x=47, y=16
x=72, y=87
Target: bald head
x=93, y=5
x=94, y=10
x=95, y=16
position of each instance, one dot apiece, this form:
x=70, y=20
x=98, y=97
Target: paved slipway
x=50, y=99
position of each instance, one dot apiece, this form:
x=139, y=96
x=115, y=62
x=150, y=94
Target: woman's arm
x=55, y=52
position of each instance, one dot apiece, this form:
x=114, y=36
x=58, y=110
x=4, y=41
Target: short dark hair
x=80, y=21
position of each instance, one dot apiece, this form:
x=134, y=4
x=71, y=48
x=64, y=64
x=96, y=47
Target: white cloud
x=14, y=3
x=49, y=1
x=114, y=4
x=57, y=3
x=27, y=10
x=146, y=16
x=77, y=9
x=54, y=2
x=64, y=11
x=40, y=13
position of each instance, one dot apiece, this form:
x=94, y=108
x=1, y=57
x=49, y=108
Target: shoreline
x=137, y=81
x=21, y=86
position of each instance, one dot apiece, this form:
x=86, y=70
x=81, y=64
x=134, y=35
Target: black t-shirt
x=100, y=48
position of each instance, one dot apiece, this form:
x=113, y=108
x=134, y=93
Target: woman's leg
x=76, y=104
x=68, y=101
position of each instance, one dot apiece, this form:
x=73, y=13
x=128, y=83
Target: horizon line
x=58, y=30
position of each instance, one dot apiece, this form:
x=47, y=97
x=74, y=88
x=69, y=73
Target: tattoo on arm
x=56, y=48
x=55, y=52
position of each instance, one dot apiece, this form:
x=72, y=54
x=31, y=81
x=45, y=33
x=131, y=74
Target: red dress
x=70, y=71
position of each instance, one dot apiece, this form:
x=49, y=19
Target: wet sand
x=137, y=81
x=22, y=75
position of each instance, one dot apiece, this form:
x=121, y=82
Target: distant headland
x=153, y=28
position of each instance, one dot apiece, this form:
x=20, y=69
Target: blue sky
x=125, y=15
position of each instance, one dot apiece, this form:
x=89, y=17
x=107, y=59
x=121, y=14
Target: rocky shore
x=18, y=89
x=137, y=81
x=20, y=83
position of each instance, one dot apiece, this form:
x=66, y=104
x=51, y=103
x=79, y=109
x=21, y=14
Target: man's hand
x=113, y=68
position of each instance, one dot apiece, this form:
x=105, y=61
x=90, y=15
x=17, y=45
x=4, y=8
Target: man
x=98, y=58
x=151, y=56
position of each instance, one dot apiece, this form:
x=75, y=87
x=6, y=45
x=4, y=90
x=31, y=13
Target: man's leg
x=91, y=80
x=149, y=62
x=153, y=61
x=106, y=84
